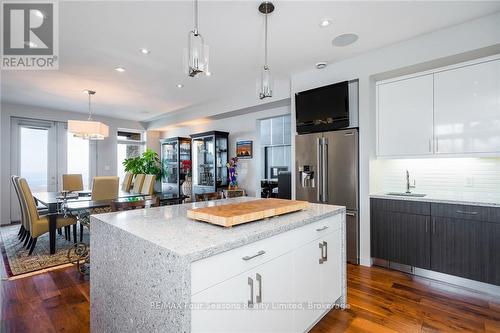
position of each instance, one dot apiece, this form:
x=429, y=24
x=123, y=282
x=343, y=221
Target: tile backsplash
x=435, y=175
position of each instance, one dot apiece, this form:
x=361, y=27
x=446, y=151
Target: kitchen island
x=156, y=270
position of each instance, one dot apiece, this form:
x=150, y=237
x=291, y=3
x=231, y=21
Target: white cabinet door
x=330, y=270
x=467, y=109
x=405, y=117
x=273, y=295
x=307, y=285
x=233, y=292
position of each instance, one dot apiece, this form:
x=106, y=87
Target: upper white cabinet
x=405, y=113
x=467, y=109
x=453, y=110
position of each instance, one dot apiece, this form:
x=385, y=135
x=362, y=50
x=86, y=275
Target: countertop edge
x=263, y=235
x=209, y=252
x=436, y=200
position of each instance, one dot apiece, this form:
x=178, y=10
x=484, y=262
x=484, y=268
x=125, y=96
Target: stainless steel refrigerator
x=327, y=171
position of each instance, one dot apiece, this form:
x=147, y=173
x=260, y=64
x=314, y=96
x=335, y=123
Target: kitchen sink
x=404, y=194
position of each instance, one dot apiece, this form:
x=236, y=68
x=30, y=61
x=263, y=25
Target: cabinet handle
x=325, y=246
x=322, y=228
x=430, y=145
x=433, y=227
x=261, y=252
x=250, y=284
x=350, y=214
x=258, y=298
x=426, y=226
x=321, y=258
x=467, y=213
x=437, y=145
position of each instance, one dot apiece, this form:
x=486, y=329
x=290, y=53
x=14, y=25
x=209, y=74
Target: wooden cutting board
x=243, y=212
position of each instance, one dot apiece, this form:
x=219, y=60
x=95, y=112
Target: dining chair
x=148, y=185
x=138, y=181
x=23, y=230
x=127, y=182
x=72, y=182
x=208, y=196
x=39, y=225
x=105, y=188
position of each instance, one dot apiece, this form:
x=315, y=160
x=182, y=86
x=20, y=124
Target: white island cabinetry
x=285, y=283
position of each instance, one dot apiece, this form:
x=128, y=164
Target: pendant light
x=266, y=84
x=89, y=129
x=196, y=56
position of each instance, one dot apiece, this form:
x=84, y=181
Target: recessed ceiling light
x=180, y=85
x=325, y=22
x=321, y=64
x=208, y=73
x=145, y=51
x=345, y=39
x=120, y=69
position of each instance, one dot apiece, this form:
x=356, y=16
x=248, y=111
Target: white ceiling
x=97, y=36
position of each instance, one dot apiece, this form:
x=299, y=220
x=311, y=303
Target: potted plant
x=147, y=163
x=231, y=165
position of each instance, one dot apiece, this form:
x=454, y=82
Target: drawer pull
x=258, y=298
x=321, y=247
x=322, y=228
x=250, y=284
x=325, y=246
x=261, y=252
x=467, y=213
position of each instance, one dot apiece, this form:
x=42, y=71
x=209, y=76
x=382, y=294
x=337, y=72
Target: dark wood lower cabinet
x=400, y=237
x=460, y=240
x=459, y=248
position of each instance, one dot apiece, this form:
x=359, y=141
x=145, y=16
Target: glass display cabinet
x=173, y=152
x=209, y=161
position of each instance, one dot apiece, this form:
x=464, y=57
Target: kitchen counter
x=458, y=198
x=142, y=258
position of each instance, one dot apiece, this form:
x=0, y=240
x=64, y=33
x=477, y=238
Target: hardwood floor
x=380, y=300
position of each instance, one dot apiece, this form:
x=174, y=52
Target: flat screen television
x=322, y=109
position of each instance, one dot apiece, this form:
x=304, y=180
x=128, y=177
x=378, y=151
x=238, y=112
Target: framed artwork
x=244, y=149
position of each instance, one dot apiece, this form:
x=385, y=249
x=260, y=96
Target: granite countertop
x=169, y=228
x=460, y=198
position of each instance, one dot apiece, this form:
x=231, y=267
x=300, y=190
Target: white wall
x=475, y=38
x=243, y=127
x=106, y=149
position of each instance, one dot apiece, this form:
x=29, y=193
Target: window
x=275, y=140
x=34, y=157
x=130, y=144
x=78, y=157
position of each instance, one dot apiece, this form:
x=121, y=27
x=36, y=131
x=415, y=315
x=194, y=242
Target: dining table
x=73, y=201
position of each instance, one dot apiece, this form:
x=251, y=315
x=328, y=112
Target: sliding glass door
x=42, y=151
x=34, y=157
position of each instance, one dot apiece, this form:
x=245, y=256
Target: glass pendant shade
x=88, y=129
x=196, y=55
x=266, y=83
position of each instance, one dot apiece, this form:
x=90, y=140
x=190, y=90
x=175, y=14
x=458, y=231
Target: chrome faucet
x=408, y=186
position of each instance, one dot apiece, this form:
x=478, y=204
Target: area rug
x=16, y=258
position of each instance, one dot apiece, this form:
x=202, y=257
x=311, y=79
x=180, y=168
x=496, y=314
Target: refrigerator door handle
x=319, y=171
x=324, y=170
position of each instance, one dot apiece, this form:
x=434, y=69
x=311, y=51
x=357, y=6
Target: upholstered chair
x=138, y=181
x=127, y=182
x=72, y=182
x=105, y=188
x=39, y=225
x=24, y=229
x=149, y=185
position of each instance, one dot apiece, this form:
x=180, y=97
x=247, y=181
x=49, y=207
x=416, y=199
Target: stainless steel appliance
x=327, y=171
